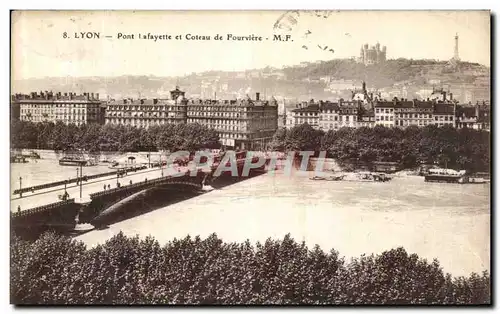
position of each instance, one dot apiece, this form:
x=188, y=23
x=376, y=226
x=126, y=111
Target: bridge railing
x=134, y=186
x=41, y=208
x=130, y=186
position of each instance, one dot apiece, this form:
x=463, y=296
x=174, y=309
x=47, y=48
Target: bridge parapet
x=42, y=208
x=149, y=183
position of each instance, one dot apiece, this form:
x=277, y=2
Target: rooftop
x=194, y=102
x=50, y=96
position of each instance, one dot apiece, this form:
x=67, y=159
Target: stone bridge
x=67, y=212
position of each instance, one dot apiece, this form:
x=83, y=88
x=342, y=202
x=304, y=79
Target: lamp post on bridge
x=20, y=186
x=161, y=163
x=77, y=175
x=81, y=178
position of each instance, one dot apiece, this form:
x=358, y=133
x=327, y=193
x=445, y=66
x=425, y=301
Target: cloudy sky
x=39, y=49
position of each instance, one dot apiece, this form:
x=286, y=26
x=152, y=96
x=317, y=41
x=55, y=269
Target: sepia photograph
x=265, y=157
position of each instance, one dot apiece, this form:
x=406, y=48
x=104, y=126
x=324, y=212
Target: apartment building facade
x=416, y=113
x=397, y=113
x=69, y=108
x=245, y=124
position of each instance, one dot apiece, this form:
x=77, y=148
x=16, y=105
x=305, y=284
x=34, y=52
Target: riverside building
x=244, y=123
x=69, y=108
x=396, y=113
x=144, y=113
x=368, y=110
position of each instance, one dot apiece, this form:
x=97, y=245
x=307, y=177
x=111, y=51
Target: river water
x=450, y=222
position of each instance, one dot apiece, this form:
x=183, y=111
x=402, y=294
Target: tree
x=278, y=141
x=303, y=138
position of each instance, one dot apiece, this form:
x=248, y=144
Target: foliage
x=95, y=137
x=455, y=148
x=57, y=270
x=302, y=138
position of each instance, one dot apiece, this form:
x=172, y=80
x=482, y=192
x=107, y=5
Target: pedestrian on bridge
x=109, y=186
x=104, y=187
x=130, y=182
x=18, y=208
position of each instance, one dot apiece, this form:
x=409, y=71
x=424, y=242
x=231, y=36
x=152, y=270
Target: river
x=450, y=222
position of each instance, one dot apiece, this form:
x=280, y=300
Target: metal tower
x=455, y=55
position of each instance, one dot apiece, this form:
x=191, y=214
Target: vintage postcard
x=250, y=157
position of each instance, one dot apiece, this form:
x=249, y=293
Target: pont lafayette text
x=188, y=36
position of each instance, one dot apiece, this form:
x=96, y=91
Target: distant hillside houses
x=369, y=109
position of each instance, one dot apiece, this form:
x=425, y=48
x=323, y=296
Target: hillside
x=305, y=81
x=382, y=75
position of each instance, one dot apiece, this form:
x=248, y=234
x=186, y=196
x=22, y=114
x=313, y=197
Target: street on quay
x=51, y=195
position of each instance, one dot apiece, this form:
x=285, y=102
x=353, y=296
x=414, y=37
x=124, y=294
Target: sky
x=39, y=50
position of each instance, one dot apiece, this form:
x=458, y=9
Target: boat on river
x=18, y=159
x=328, y=178
x=445, y=175
x=32, y=154
x=453, y=176
x=77, y=159
x=372, y=177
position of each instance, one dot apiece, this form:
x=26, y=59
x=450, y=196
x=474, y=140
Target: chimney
x=257, y=96
x=444, y=96
x=155, y=101
x=320, y=104
x=66, y=94
x=341, y=100
x=451, y=96
x=477, y=109
x=92, y=95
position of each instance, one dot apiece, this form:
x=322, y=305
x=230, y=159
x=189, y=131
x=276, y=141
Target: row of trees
x=58, y=270
x=95, y=137
x=456, y=148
